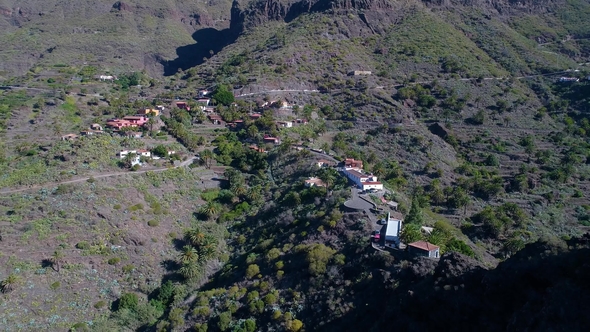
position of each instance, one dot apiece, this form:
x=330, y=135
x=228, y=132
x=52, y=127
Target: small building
x=161, y=108
x=96, y=126
x=301, y=121
x=424, y=249
x=144, y=153
x=313, y=181
x=255, y=116
x=256, y=148
x=90, y=132
x=204, y=101
x=118, y=124
x=209, y=109
x=359, y=72
x=149, y=111
x=569, y=79
x=236, y=124
x=392, y=232
x=325, y=163
x=69, y=137
x=284, y=124
x=215, y=118
x=270, y=139
x=352, y=163
x=203, y=93
x=183, y=105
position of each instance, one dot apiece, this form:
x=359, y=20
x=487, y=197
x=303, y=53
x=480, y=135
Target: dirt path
x=105, y=175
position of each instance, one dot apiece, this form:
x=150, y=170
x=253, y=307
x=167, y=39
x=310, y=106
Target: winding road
x=105, y=175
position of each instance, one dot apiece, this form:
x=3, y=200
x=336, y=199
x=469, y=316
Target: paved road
x=106, y=175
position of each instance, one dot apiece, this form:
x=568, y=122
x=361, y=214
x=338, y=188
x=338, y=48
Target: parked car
x=376, y=235
x=382, y=222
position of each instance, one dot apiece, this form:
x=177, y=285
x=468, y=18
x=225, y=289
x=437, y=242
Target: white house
x=392, y=232
x=363, y=181
x=285, y=124
x=139, y=153
x=314, y=182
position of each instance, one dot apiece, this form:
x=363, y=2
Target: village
x=387, y=226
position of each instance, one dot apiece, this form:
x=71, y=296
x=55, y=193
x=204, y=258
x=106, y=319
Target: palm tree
x=210, y=209
x=328, y=177
x=190, y=271
x=194, y=236
x=238, y=189
x=207, y=156
x=56, y=258
x=7, y=285
x=188, y=255
x=151, y=123
x=128, y=160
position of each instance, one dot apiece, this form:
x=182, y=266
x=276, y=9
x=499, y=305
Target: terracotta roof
x=374, y=182
x=357, y=174
x=423, y=245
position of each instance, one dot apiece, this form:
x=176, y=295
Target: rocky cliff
x=246, y=15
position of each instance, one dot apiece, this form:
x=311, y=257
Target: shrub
x=128, y=301
x=117, y=206
x=252, y=270
x=153, y=223
x=114, y=261
x=83, y=245
x=80, y=327
x=128, y=268
x=55, y=285
x=100, y=304
x=136, y=207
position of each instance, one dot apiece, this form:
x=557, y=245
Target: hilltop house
x=425, y=249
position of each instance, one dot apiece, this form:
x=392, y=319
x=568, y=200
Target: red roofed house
x=351, y=163
x=215, y=118
x=423, y=248
x=255, y=116
x=270, y=139
x=117, y=124
x=183, y=105
x=137, y=120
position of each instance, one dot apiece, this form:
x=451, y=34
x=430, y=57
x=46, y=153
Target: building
x=255, y=116
x=69, y=137
x=425, y=249
x=392, y=232
x=215, y=118
x=117, y=124
x=204, y=101
x=325, y=163
x=90, y=132
x=236, y=124
x=359, y=72
x=183, y=105
x=96, y=126
x=132, y=134
x=138, y=120
x=569, y=79
x=351, y=163
x=311, y=182
x=203, y=93
x=270, y=139
x=149, y=111
x=301, y=121
x=363, y=181
x=257, y=148
x=284, y=124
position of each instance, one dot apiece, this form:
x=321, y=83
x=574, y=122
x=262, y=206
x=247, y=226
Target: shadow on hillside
x=208, y=39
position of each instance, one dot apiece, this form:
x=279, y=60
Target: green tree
x=223, y=96
x=190, y=270
x=224, y=320
x=415, y=216
x=252, y=271
x=411, y=233
x=188, y=255
x=295, y=325
x=160, y=151
x=128, y=301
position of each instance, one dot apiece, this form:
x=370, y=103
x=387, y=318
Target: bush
x=128, y=301
x=128, y=268
x=117, y=206
x=80, y=327
x=100, y=304
x=136, y=207
x=114, y=261
x=252, y=270
x=83, y=245
x=55, y=285
x=153, y=223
